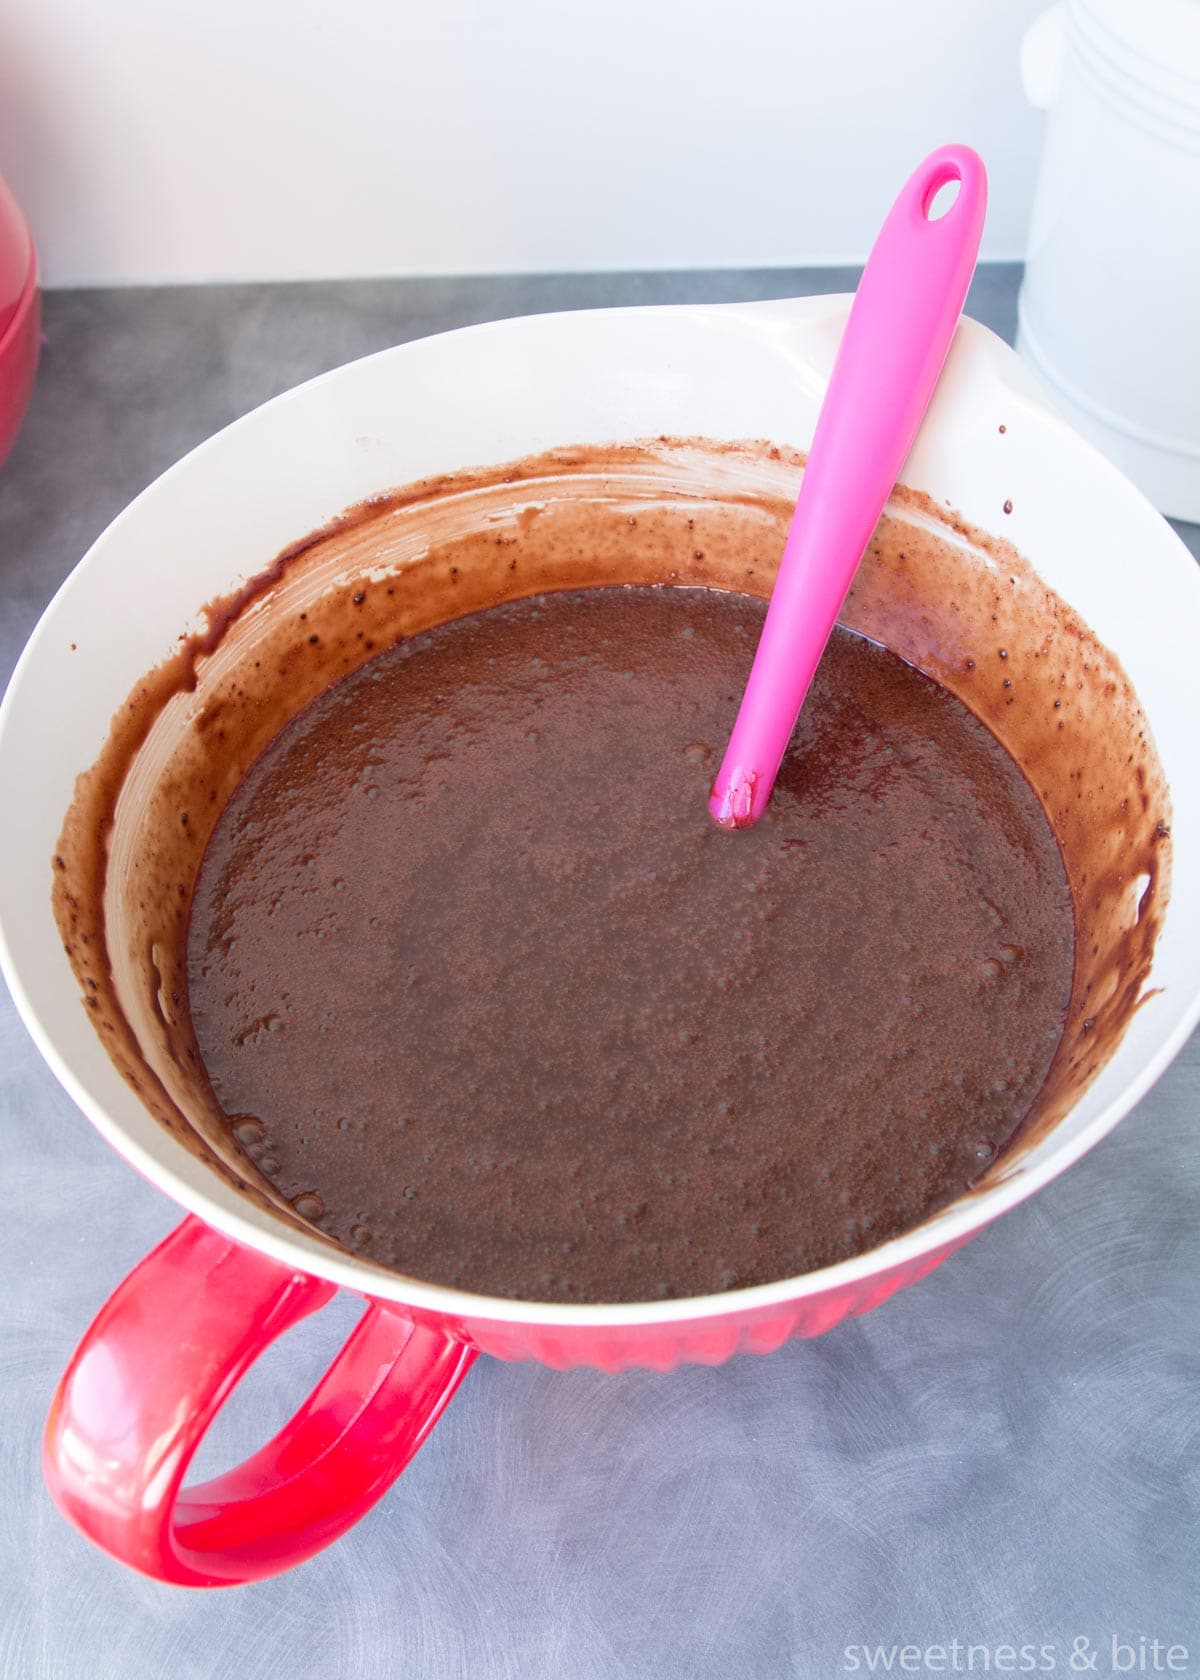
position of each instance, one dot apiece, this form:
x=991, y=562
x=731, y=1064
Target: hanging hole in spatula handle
x=940, y=198
x=951, y=175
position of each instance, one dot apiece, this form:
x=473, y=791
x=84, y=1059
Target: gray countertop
x=1008, y=1453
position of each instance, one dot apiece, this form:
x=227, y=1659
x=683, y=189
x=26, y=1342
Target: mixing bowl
x=178, y=1332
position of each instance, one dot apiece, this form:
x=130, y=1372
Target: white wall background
x=227, y=139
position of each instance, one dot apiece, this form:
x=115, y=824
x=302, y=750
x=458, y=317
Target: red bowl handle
x=155, y=1367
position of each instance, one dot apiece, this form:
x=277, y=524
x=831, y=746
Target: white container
x=1110, y=305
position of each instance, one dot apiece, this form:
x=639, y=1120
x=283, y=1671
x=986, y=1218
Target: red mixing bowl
x=20, y=317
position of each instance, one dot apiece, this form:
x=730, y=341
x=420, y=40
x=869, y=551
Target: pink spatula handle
x=896, y=338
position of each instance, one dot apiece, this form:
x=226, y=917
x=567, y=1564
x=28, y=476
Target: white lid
x=1152, y=41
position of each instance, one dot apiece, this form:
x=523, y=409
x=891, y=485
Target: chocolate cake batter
x=486, y=994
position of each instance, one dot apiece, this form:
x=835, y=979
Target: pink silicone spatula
x=896, y=338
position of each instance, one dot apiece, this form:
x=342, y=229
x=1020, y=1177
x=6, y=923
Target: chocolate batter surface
x=486, y=994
